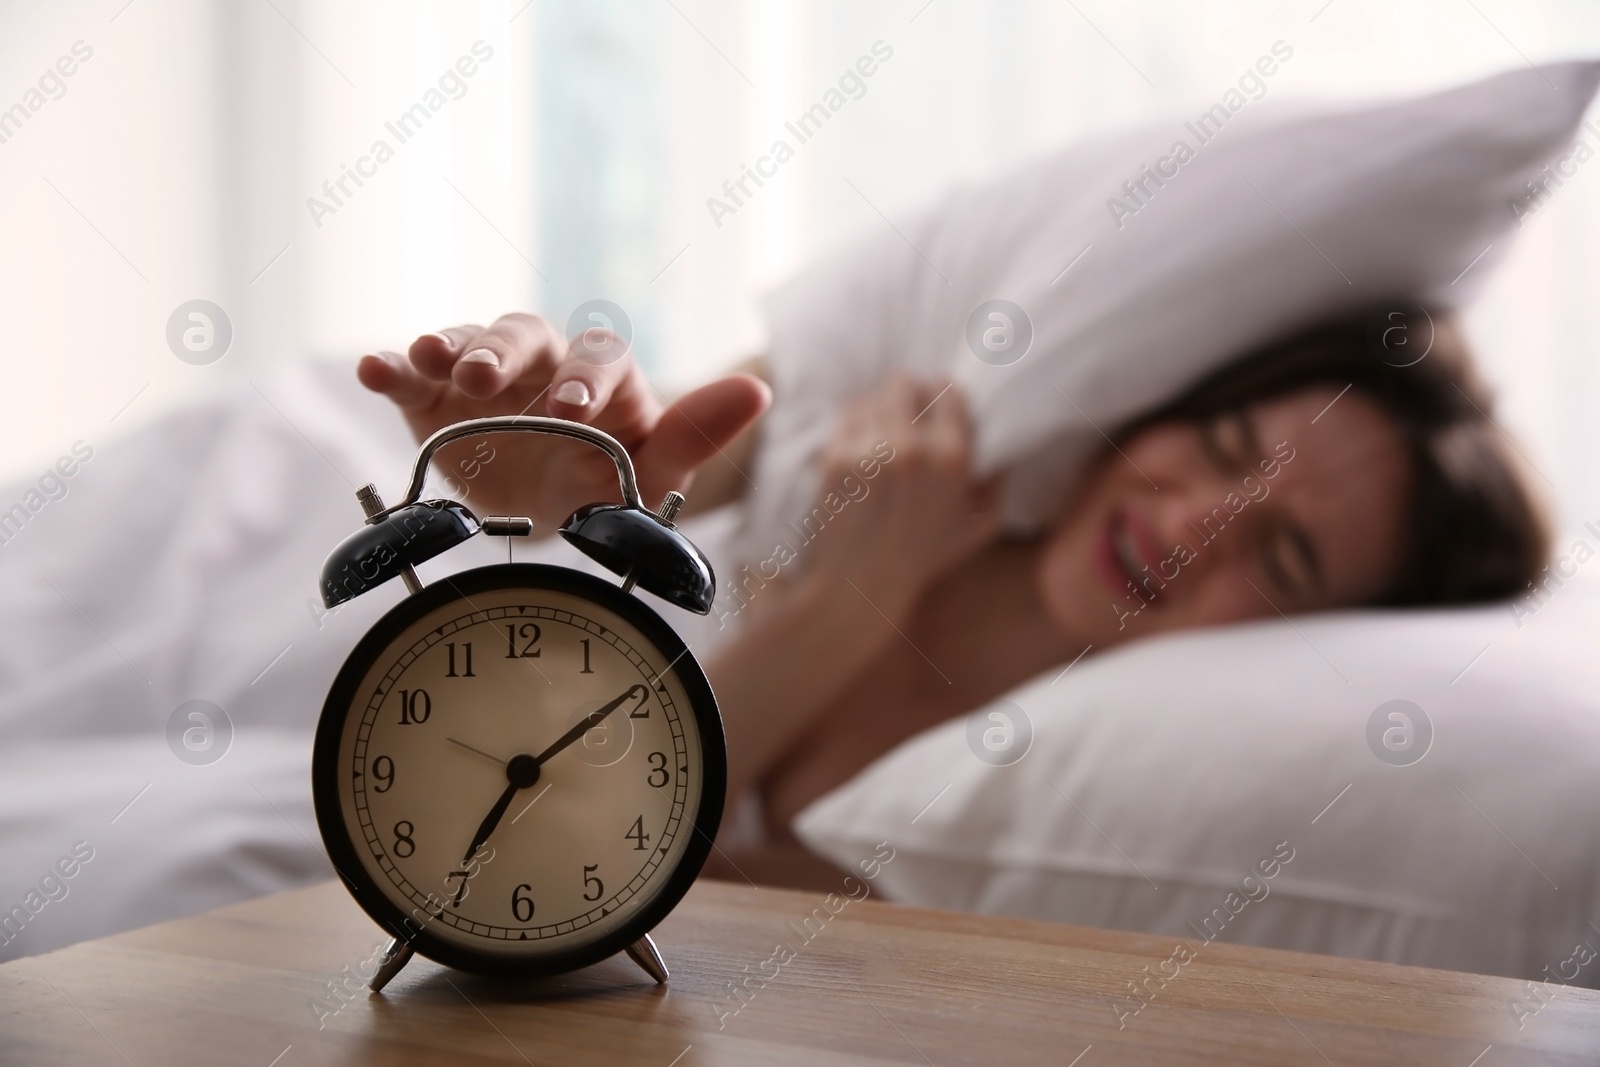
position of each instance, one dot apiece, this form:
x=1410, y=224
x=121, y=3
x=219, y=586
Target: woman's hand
x=522, y=365
x=920, y=515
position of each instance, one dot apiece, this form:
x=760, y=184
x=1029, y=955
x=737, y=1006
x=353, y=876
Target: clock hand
x=479, y=751
x=522, y=771
x=591, y=720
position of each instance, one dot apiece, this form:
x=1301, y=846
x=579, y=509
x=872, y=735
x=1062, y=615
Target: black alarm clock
x=520, y=768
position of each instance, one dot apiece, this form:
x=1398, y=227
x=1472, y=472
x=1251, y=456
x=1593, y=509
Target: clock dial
x=521, y=771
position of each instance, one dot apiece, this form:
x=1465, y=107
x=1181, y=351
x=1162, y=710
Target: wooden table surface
x=876, y=984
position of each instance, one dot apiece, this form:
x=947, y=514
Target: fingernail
x=390, y=358
x=442, y=339
x=481, y=355
x=573, y=392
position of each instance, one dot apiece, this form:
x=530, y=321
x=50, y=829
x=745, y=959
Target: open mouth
x=1119, y=555
x=1122, y=546
x=1122, y=557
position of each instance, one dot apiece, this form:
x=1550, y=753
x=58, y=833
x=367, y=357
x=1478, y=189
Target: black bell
x=633, y=542
x=382, y=550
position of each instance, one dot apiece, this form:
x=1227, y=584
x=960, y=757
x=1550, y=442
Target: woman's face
x=1288, y=505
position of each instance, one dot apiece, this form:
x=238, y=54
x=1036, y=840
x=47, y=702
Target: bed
x=1159, y=783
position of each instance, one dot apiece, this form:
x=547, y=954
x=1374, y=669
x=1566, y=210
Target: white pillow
x=1190, y=760
x=1288, y=214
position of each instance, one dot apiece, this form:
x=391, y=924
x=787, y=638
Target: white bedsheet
x=180, y=565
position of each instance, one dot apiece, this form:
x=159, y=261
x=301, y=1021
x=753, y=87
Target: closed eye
x=1230, y=441
x=1291, y=562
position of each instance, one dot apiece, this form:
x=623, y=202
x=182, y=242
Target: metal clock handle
x=576, y=431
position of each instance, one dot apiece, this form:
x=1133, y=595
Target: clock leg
x=644, y=953
x=395, y=957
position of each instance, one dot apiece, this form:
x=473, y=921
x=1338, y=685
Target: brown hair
x=1474, y=531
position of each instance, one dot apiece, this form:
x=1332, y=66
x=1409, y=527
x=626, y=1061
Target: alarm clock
x=520, y=768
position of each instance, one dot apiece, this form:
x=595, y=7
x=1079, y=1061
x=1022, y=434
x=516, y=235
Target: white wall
x=582, y=154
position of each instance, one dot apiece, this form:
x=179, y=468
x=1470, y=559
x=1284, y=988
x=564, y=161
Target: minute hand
x=590, y=721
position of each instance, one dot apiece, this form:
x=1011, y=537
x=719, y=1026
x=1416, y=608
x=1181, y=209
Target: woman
x=1306, y=476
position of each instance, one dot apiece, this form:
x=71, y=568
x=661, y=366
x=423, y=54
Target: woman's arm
x=790, y=664
x=897, y=510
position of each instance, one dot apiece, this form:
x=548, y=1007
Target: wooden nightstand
x=872, y=984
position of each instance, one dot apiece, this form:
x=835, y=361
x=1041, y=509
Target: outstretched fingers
x=434, y=355
x=517, y=348
x=391, y=375
x=600, y=378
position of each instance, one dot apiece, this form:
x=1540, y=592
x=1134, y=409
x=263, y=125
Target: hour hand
x=593, y=719
x=521, y=772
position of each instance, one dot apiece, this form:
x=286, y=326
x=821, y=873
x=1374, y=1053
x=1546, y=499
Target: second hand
x=479, y=751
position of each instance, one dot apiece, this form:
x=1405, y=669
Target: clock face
x=523, y=765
